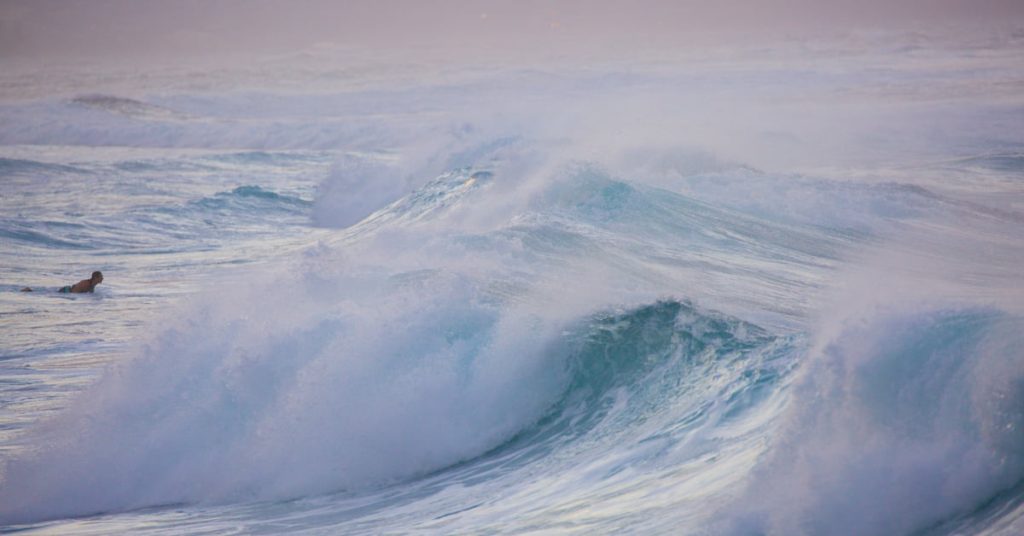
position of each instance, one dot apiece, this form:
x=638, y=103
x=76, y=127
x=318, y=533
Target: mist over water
x=757, y=289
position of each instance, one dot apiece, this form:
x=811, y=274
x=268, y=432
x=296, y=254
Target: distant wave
x=46, y=234
x=189, y=224
x=245, y=198
x=16, y=166
x=129, y=107
x=1009, y=162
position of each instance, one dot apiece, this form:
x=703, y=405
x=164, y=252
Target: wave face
x=914, y=417
x=500, y=306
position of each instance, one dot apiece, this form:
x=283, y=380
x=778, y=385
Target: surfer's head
x=97, y=277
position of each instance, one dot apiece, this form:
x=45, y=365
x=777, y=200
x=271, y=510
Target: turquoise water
x=318, y=321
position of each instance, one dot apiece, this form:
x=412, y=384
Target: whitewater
x=772, y=290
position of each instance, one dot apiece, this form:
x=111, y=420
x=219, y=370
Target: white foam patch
x=294, y=384
x=907, y=412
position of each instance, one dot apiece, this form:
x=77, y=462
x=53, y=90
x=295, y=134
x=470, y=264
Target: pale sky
x=52, y=29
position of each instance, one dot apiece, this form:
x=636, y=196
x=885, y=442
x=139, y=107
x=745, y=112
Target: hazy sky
x=187, y=28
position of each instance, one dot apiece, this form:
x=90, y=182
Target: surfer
x=85, y=285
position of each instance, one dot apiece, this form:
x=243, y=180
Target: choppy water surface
x=413, y=310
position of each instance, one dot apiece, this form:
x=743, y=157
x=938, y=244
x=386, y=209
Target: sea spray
x=288, y=387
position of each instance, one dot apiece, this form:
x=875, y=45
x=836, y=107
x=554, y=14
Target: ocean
x=752, y=291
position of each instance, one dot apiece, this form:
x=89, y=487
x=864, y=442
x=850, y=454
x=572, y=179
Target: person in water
x=85, y=285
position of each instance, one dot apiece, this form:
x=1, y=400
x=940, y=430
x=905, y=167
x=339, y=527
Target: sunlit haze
x=196, y=28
